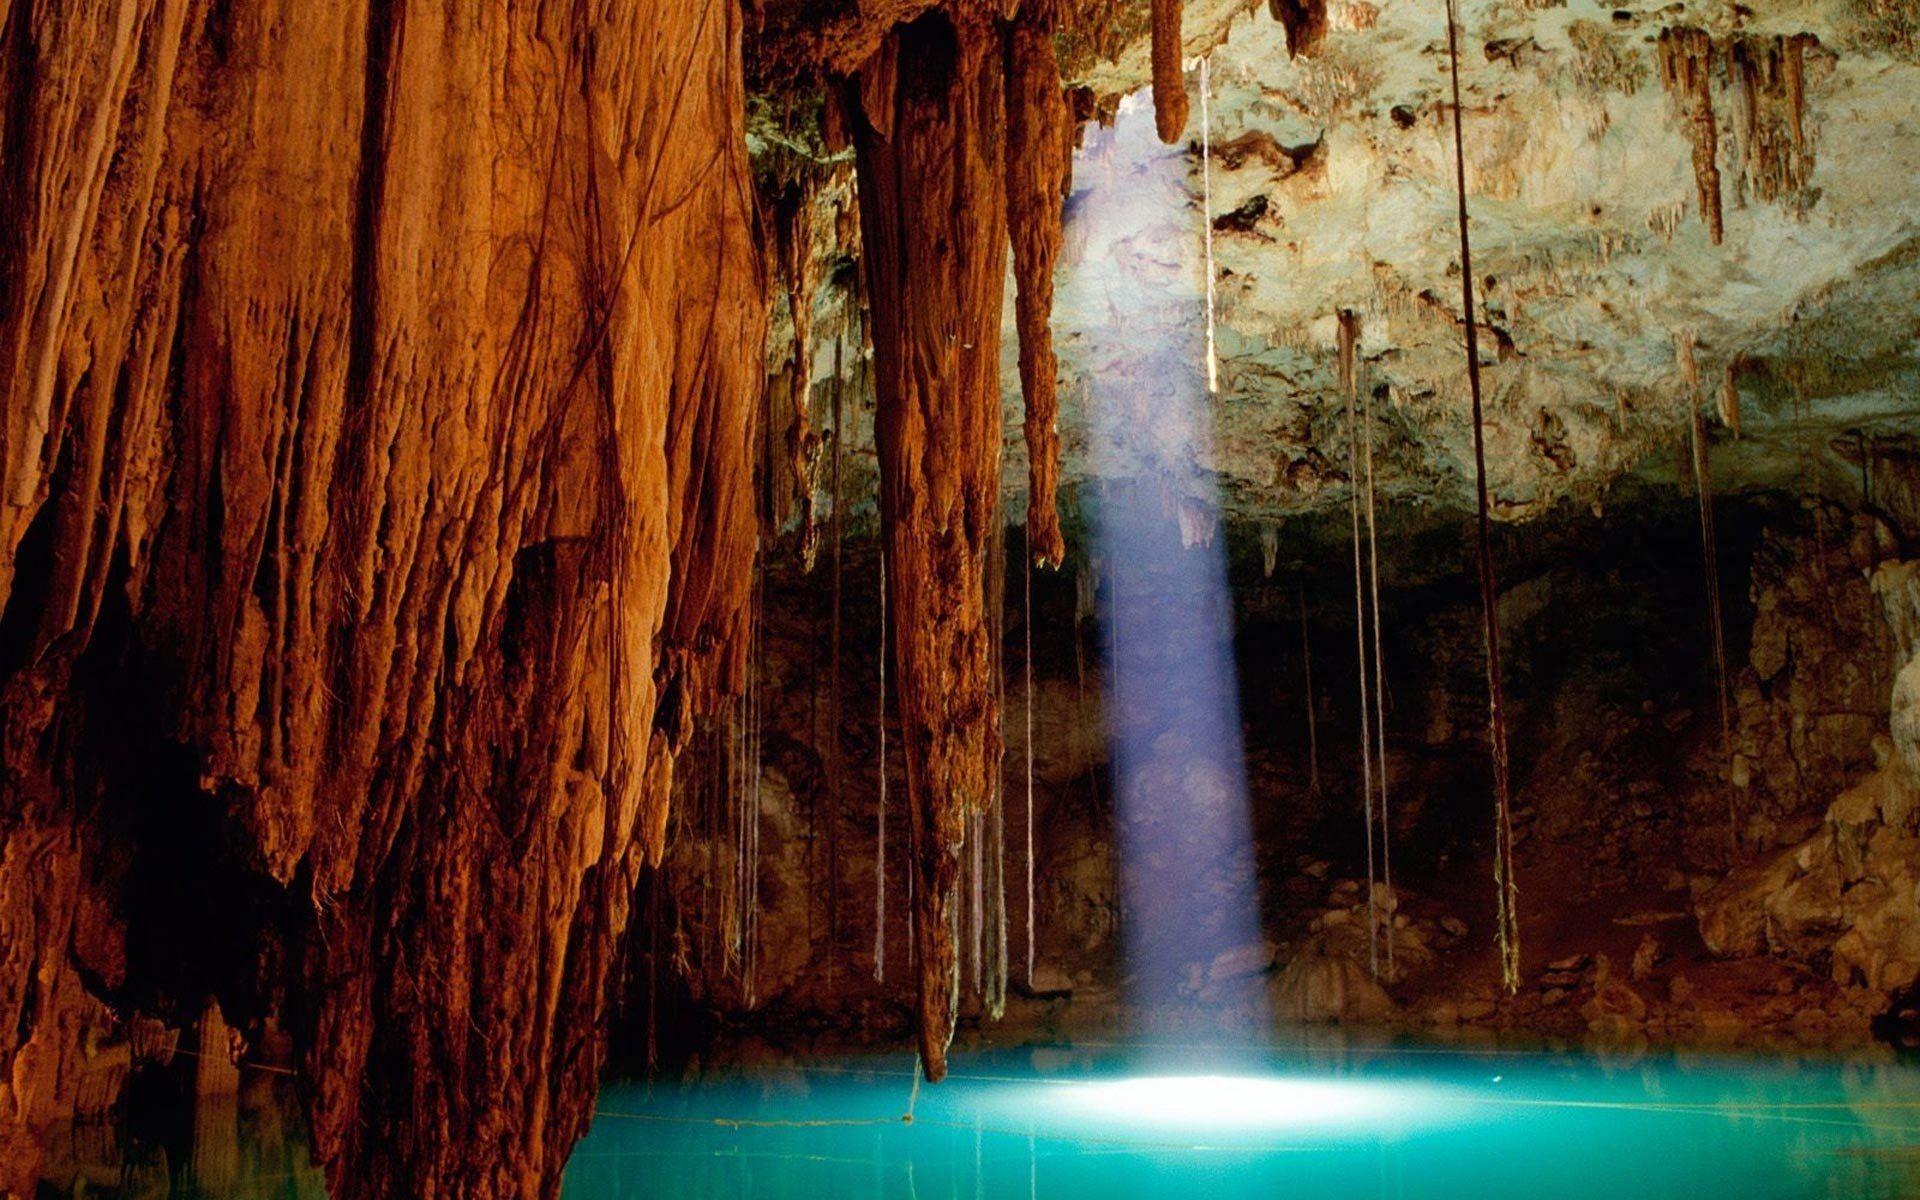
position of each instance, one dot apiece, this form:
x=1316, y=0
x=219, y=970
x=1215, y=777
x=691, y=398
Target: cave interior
x=893, y=596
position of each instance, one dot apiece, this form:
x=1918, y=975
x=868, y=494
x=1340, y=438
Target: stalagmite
x=1039, y=163
x=1349, y=326
x=928, y=131
x=1169, y=83
x=1506, y=888
x=1686, y=69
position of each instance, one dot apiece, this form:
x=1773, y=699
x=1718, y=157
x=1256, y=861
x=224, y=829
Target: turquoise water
x=1226, y=1125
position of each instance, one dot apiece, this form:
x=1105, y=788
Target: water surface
x=1422, y=1123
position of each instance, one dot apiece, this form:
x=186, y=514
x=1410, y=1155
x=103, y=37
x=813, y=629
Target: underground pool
x=1402, y=1122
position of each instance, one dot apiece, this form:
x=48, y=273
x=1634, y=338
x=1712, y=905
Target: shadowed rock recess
x=430, y=435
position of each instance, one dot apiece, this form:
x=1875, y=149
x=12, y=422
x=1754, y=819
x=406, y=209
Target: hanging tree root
x=1379, y=678
x=1507, y=892
x=1349, y=330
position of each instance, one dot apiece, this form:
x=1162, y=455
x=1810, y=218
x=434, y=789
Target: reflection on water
x=1406, y=1123
x=189, y=1133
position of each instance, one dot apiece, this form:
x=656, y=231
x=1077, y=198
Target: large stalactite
x=1039, y=166
x=929, y=131
x=378, y=509
x=376, y=442
x=963, y=141
x=1686, y=70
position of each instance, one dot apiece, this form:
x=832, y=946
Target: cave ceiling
x=1332, y=188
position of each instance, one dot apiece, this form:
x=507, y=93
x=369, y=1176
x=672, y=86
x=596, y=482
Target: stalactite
x=1169, y=84
x=1206, y=216
x=793, y=216
x=1727, y=400
x=1506, y=888
x=1039, y=162
x=928, y=132
x=1379, y=683
x=1686, y=69
x=1703, y=489
x=1776, y=156
x=1305, y=21
x=1349, y=338
x=410, y=462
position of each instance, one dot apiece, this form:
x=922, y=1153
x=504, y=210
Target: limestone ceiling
x=1332, y=188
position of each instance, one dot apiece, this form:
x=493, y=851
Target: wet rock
x=1241, y=961
x=1645, y=956
x=1317, y=987
x=1615, y=1007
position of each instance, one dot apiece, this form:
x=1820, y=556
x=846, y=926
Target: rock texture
x=1595, y=241
x=1848, y=897
x=376, y=483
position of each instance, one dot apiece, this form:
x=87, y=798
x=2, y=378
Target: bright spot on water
x=1220, y=1102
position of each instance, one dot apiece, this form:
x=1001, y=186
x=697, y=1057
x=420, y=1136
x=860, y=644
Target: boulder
x=1316, y=987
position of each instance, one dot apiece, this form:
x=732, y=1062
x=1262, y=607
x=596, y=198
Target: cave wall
x=368, y=369
x=1624, y=787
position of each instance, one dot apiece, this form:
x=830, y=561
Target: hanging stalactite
x=1039, y=167
x=1686, y=69
x=1506, y=888
x=1305, y=22
x=1169, y=83
x=1776, y=153
x=928, y=126
x=793, y=240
